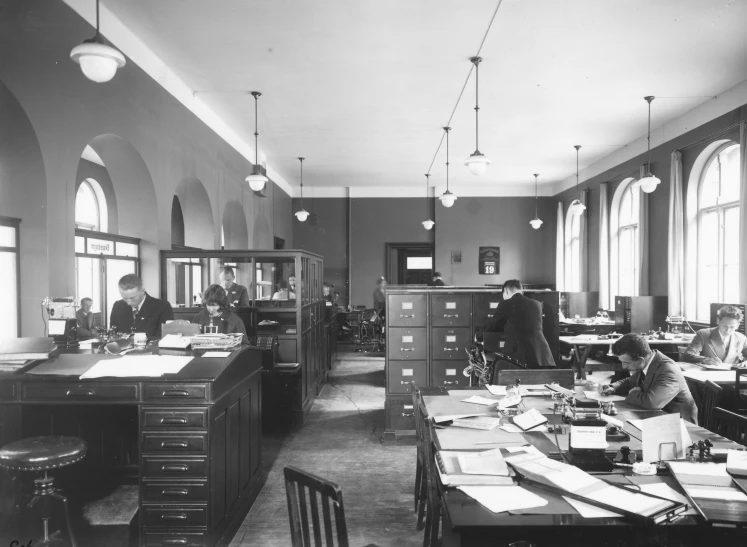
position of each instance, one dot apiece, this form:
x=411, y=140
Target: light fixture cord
x=256, y=135
x=301, y=160
x=97, y=17
x=578, y=192
x=427, y=212
x=477, y=103
x=447, y=129
x=648, y=165
x=536, y=199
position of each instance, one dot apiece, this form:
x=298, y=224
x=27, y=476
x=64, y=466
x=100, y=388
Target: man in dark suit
x=656, y=383
x=520, y=318
x=86, y=323
x=436, y=280
x=138, y=311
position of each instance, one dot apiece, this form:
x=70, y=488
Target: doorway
x=409, y=263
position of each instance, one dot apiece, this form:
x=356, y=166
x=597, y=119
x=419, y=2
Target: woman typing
x=217, y=317
x=721, y=345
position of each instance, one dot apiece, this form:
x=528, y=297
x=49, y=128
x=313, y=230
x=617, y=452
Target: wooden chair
x=433, y=513
x=711, y=394
x=421, y=481
x=730, y=425
x=741, y=389
x=562, y=377
x=180, y=326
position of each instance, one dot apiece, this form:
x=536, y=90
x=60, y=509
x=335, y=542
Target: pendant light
x=98, y=61
x=477, y=162
x=427, y=223
x=536, y=222
x=447, y=199
x=577, y=208
x=256, y=180
x=302, y=214
x=649, y=182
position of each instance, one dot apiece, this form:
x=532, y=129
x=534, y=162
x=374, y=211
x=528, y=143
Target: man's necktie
x=641, y=379
x=134, y=318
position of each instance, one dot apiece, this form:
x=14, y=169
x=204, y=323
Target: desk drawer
x=161, y=517
x=450, y=343
x=73, y=391
x=174, y=539
x=484, y=306
x=177, y=443
x=406, y=343
x=400, y=415
x=401, y=373
x=451, y=310
x=175, y=491
x=174, y=418
x=406, y=310
x=174, y=467
x=7, y=391
x=448, y=374
x=175, y=392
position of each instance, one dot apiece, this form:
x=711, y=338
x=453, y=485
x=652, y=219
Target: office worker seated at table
x=436, y=280
x=286, y=292
x=379, y=298
x=520, y=318
x=722, y=344
x=86, y=326
x=655, y=383
x=217, y=314
x=237, y=295
x=138, y=311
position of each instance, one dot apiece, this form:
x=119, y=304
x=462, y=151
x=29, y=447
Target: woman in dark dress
x=217, y=317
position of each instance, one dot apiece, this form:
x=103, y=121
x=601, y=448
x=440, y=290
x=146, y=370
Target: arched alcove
x=197, y=213
x=235, y=232
x=177, y=223
x=92, y=170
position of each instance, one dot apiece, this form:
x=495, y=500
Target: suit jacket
x=664, y=388
x=521, y=320
x=707, y=344
x=85, y=325
x=152, y=315
x=437, y=283
x=238, y=296
x=227, y=323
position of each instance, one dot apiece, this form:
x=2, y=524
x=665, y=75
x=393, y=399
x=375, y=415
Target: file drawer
x=400, y=414
x=179, y=492
x=175, y=392
x=451, y=310
x=450, y=343
x=449, y=374
x=75, y=391
x=401, y=373
x=160, y=516
x=176, y=418
x=484, y=305
x=406, y=310
x=174, y=467
x=175, y=539
x=406, y=344
x=177, y=443
x=7, y=391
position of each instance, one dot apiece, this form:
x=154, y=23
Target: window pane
x=115, y=269
x=575, y=265
x=625, y=264
x=9, y=294
x=709, y=186
x=729, y=174
x=707, y=292
x=86, y=208
x=731, y=283
x=88, y=279
x=709, y=236
x=7, y=236
x=731, y=235
x=126, y=249
x=80, y=244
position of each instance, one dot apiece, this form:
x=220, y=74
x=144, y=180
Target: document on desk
x=662, y=438
x=590, y=511
x=663, y=490
x=499, y=391
x=137, y=366
x=499, y=499
x=489, y=462
x=594, y=396
x=478, y=400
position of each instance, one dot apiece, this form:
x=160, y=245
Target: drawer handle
x=406, y=349
x=80, y=393
x=405, y=382
x=408, y=414
x=451, y=349
x=450, y=383
x=174, y=516
x=451, y=315
x=175, y=468
x=412, y=316
x=175, y=393
x=174, y=541
x=181, y=492
x=174, y=421
x=174, y=444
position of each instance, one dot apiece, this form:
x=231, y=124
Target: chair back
x=180, y=326
x=419, y=421
x=711, y=394
x=740, y=387
x=297, y=484
x=433, y=498
x=730, y=425
x=562, y=377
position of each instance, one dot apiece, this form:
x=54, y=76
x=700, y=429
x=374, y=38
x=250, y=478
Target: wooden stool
x=43, y=454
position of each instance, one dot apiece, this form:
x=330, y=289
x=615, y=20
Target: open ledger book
x=473, y=468
x=711, y=490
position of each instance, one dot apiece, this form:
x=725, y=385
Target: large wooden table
x=467, y=523
x=191, y=441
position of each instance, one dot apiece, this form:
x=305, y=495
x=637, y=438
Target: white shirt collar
x=139, y=306
x=648, y=363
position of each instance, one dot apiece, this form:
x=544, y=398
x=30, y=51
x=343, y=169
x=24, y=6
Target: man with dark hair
x=656, y=382
x=721, y=345
x=85, y=320
x=437, y=281
x=138, y=311
x=238, y=296
x=520, y=318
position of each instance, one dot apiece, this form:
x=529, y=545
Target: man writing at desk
x=138, y=311
x=722, y=345
x=655, y=383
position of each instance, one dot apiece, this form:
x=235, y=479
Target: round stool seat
x=42, y=453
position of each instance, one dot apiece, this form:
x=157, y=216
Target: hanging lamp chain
x=536, y=198
x=476, y=62
x=301, y=160
x=256, y=95
x=648, y=164
x=447, y=129
x=578, y=192
x=427, y=180
x=97, y=17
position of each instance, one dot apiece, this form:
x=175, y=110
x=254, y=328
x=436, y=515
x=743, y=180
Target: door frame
x=391, y=265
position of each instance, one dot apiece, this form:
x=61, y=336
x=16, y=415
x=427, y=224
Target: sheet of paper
x=489, y=462
x=216, y=354
x=460, y=438
x=718, y=493
x=588, y=437
x=736, y=462
x=500, y=391
x=528, y=448
x=613, y=421
x=67, y=364
x=138, y=365
x=452, y=417
x=663, y=490
x=503, y=498
x=590, y=511
x=510, y=428
x=593, y=395
x=509, y=401
x=478, y=400
x=658, y=432
x=529, y=419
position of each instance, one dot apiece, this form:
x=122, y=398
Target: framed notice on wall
x=489, y=260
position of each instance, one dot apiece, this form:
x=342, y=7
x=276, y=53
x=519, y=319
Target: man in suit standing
x=436, y=280
x=85, y=320
x=521, y=320
x=238, y=296
x=656, y=382
x=138, y=311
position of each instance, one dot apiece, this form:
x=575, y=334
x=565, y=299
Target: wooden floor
x=342, y=441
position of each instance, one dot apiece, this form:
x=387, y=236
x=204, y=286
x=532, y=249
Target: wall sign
x=489, y=260
x=100, y=247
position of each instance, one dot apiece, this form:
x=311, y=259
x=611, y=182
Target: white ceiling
x=361, y=88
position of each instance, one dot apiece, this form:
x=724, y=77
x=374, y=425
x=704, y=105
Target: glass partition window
x=276, y=282
x=9, y=277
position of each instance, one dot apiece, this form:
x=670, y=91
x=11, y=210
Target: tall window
x=627, y=241
x=573, y=253
x=90, y=207
x=10, y=324
x=718, y=230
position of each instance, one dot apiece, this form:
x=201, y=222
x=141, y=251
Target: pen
x=491, y=442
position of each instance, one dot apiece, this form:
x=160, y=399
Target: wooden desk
x=466, y=522
x=198, y=441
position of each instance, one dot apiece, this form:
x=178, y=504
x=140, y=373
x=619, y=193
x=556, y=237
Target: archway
x=177, y=223
x=197, y=214
x=236, y=235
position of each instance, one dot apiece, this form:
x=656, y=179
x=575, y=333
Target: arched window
x=90, y=207
x=627, y=241
x=573, y=252
x=718, y=230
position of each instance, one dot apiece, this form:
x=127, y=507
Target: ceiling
x=362, y=88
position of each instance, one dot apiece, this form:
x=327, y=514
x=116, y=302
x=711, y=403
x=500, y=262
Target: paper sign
x=406, y=305
x=450, y=372
x=588, y=437
x=493, y=305
x=216, y=354
x=407, y=339
x=451, y=305
x=451, y=338
x=407, y=407
x=661, y=431
x=406, y=372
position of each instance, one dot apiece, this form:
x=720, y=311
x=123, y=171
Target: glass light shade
x=302, y=215
x=428, y=224
x=99, y=62
x=536, y=223
x=447, y=199
x=256, y=182
x=477, y=163
x=576, y=208
x=649, y=183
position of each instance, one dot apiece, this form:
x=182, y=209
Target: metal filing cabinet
x=451, y=310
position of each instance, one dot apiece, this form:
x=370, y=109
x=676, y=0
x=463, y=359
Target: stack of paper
x=489, y=462
x=137, y=365
x=463, y=468
x=478, y=400
x=503, y=498
x=477, y=422
x=736, y=462
x=529, y=419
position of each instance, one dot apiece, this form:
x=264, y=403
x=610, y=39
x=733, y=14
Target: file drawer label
x=407, y=340
x=451, y=305
x=406, y=305
x=450, y=372
x=451, y=338
x=493, y=305
x=406, y=372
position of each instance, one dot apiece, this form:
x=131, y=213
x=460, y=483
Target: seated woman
x=286, y=291
x=720, y=345
x=217, y=317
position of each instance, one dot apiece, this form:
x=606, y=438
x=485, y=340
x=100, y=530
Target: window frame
x=15, y=223
x=628, y=183
x=573, y=241
x=102, y=207
x=633, y=226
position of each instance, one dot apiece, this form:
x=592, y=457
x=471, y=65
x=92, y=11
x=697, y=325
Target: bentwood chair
x=433, y=512
x=730, y=425
x=709, y=399
x=421, y=481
